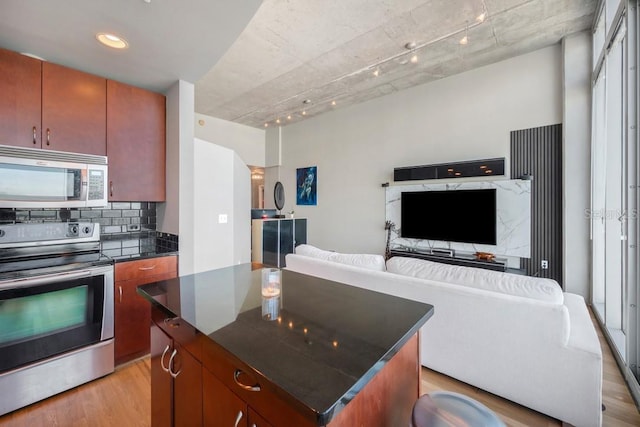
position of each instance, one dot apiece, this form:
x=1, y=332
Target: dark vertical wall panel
x=538, y=152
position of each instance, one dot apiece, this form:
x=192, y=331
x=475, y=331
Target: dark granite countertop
x=134, y=246
x=142, y=255
x=328, y=341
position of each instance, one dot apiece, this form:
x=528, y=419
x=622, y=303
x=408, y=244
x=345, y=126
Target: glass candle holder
x=270, y=308
x=271, y=282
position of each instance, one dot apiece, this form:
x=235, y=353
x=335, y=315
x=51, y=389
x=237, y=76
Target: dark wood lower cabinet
x=161, y=381
x=195, y=382
x=256, y=420
x=221, y=407
x=176, y=383
x=131, y=312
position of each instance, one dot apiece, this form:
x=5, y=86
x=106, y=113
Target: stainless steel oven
x=56, y=310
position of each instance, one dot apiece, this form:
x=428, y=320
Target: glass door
x=598, y=210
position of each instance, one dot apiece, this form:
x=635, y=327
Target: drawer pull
x=238, y=418
x=34, y=135
x=166, y=349
x=147, y=268
x=48, y=136
x=236, y=378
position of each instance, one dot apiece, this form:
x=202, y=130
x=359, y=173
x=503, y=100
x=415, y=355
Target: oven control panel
x=38, y=234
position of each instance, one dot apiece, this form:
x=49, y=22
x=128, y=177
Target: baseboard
x=634, y=387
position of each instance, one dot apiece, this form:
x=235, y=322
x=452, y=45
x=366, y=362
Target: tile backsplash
x=116, y=217
x=127, y=229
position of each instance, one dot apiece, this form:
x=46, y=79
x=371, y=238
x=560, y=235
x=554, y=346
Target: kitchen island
x=321, y=353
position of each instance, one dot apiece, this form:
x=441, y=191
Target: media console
x=465, y=260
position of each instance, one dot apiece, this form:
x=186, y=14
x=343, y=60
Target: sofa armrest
x=582, y=335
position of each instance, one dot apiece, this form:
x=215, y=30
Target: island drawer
x=274, y=405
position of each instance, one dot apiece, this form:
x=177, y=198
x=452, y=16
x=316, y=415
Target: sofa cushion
x=313, y=252
x=537, y=288
x=368, y=261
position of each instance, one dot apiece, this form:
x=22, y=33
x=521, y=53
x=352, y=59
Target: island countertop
x=327, y=340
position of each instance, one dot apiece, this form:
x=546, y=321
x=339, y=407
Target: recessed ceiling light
x=289, y=117
x=266, y=125
x=112, y=40
x=414, y=59
x=465, y=39
x=481, y=17
x=376, y=72
x=333, y=103
x=278, y=121
x=304, y=113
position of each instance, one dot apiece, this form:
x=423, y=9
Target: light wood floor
x=123, y=400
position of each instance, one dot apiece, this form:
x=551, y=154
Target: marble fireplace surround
x=513, y=217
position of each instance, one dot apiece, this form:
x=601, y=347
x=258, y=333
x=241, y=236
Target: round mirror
x=278, y=195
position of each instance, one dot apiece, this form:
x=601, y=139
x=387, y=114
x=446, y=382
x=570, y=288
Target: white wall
x=241, y=219
x=176, y=214
x=203, y=181
x=463, y=117
x=222, y=186
x=246, y=141
x=576, y=159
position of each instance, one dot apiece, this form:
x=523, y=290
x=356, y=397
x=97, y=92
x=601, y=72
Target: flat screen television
x=467, y=216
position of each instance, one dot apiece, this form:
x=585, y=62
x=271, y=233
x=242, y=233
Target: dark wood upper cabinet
x=49, y=106
x=135, y=143
x=73, y=110
x=20, y=106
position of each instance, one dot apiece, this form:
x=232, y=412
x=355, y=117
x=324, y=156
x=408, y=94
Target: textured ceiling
x=291, y=50
x=327, y=51
x=168, y=39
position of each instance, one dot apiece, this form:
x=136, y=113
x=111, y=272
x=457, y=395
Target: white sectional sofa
x=519, y=337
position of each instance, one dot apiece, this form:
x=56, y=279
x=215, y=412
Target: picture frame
x=307, y=186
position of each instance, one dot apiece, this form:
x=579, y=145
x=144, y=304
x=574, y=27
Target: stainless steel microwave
x=34, y=178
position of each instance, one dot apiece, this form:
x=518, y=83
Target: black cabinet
x=272, y=239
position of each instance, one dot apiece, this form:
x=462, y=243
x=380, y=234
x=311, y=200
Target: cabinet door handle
x=110, y=188
x=35, y=138
x=238, y=418
x=236, y=378
x=164, y=368
x=48, y=136
x=120, y=292
x=147, y=268
x=172, y=322
x=173, y=355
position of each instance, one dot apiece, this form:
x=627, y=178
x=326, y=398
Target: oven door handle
x=52, y=278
